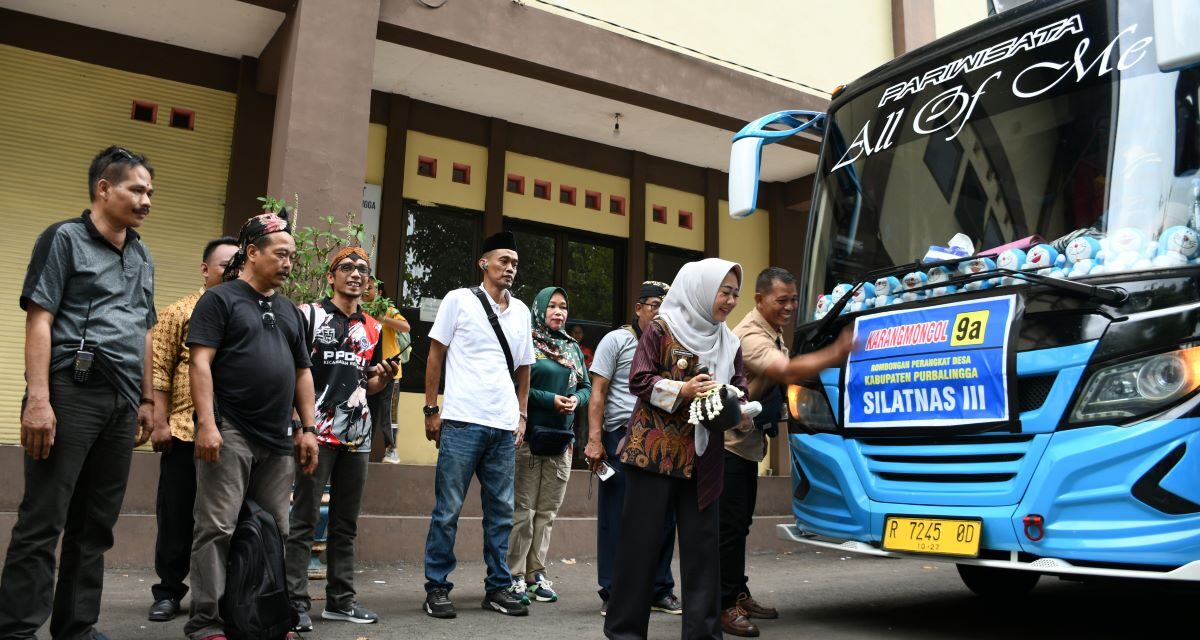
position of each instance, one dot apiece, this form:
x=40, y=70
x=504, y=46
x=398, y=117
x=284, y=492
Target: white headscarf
x=687, y=310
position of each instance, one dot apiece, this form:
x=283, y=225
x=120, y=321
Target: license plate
x=939, y=536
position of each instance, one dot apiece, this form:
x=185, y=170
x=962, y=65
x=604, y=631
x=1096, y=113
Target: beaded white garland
x=708, y=405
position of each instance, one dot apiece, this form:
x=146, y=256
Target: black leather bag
x=548, y=441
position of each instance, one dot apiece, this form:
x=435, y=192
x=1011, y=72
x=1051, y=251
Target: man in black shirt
x=89, y=300
x=250, y=368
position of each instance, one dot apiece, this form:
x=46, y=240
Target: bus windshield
x=1061, y=127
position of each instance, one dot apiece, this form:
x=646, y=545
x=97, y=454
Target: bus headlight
x=809, y=408
x=1140, y=387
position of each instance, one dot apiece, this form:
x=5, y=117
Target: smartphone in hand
x=605, y=472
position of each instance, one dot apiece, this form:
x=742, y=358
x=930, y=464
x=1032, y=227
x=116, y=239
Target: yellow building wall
x=815, y=42
x=441, y=188
x=746, y=242
x=951, y=15
x=55, y=115
x=376, y=146
x=411, y=444
x=671, y=232
x=551, y=211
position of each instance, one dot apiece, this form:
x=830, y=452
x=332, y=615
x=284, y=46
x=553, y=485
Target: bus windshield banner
x=946, y=365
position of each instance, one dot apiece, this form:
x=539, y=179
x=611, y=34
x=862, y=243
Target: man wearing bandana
x=250, y=369
x=347, y=367
x=608, y=414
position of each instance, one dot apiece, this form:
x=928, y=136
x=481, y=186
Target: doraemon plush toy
x=840, y=291
x=913, y=281
x=938, y=275
x=974, y=268
x=1012, y=260
x=862, y=298
x=1083, y=257
x=887, y=291
x=1045, y=260
x=1177, y=247
x=824, y=304
x=1126, y=249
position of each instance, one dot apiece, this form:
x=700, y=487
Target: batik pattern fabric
x=659, y=438
x=343, y=350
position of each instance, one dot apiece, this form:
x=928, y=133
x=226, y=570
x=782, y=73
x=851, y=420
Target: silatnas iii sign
x=942, y=366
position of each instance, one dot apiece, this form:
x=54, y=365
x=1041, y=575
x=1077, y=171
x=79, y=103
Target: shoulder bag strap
x=495, y=322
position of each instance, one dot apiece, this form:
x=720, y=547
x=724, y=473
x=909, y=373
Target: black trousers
x=75, y=493
x=737, y=514
x=176, y=497
x=609, y=506
x=649, y=498
x=380, y=406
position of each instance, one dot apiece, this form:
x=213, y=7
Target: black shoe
x=164, y=610
x=303, y=621
x=504, y=602
x=438, y=605
x=354, y=613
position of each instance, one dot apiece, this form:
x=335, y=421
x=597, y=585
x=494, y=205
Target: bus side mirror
x=744, y=160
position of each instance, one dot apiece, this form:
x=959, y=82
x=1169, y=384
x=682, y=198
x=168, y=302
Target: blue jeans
x=466, y=450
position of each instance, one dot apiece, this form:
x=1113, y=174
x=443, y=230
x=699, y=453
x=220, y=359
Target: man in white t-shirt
x=482, y=423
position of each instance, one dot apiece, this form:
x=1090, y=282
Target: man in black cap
x=484, y=336
x=608, y=413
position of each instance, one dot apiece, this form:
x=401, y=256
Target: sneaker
x=438, y=605
x=303, y=621
x=604, y=608
x=355, y=613
x=504, y=602
x=668, y=604
x=519, y=591
x=540, y=589
x=391, y=457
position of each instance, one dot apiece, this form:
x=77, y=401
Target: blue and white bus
x=1008, y=217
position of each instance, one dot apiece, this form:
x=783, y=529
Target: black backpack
x=256, y=605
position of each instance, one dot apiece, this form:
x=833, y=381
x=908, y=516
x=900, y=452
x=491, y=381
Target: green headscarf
x=555, y=344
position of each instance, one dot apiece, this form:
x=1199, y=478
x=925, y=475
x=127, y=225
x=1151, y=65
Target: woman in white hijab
x=670, y=464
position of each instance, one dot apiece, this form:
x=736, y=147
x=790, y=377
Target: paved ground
x=819, y=594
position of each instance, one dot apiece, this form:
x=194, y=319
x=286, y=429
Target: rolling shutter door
x=55, y=114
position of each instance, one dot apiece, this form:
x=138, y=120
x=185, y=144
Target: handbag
x=547, y=441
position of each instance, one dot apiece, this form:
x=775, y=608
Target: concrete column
x=319, y=141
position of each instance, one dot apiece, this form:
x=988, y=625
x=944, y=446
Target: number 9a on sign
x=969, y=329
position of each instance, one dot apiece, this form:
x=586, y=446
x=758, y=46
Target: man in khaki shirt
x=173, y=437
x=765, y=357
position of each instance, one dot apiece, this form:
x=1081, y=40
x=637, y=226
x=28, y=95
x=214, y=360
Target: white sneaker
x=391, y=457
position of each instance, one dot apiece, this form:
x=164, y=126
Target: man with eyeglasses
x=348, y=366
x=608, y=413
x=89, y=302
x=249, y=370
x=173, y=434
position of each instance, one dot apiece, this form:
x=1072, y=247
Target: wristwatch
x=430, y=410
x=312, y=430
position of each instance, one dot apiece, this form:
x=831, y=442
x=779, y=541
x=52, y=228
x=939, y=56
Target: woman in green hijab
x=558, y=385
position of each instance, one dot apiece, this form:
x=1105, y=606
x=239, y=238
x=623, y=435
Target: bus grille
x=1032, y=391
x=973, y=459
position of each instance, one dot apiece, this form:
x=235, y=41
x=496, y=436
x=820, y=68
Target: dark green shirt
x=547, y=379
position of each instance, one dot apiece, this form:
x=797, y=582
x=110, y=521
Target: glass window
x=440, y=247
x=536, y=266
x=590, y=267
x=662, y=262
